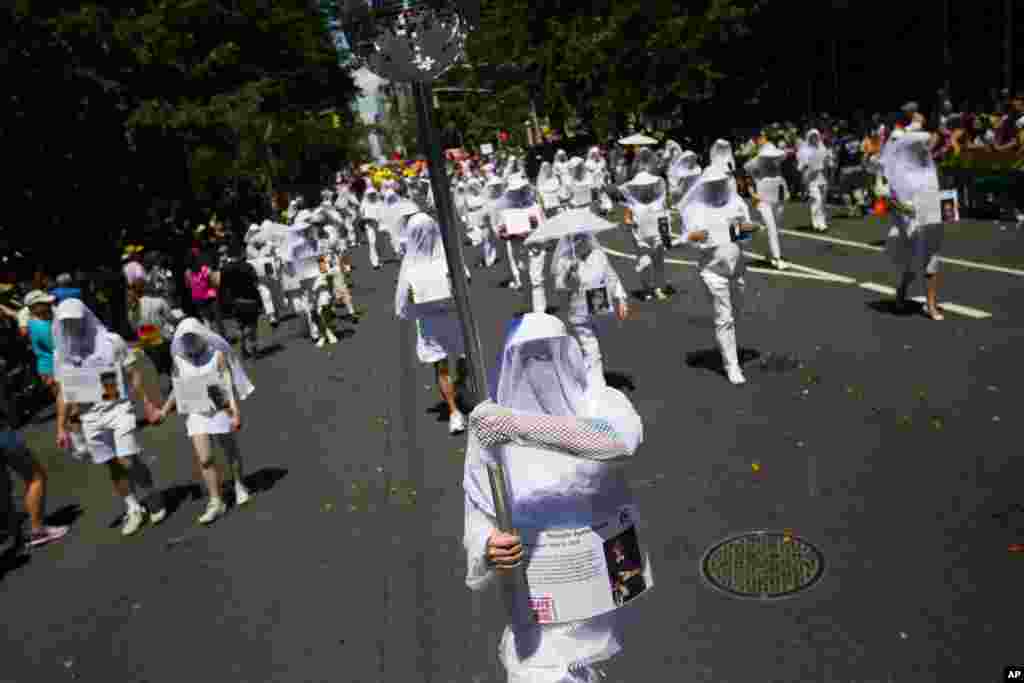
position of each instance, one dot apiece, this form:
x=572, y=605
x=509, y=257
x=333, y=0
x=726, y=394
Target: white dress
x=211, y=422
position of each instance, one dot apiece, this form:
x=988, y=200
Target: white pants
x=371, y=239
x=654, y=250
x=726, y=294
x=587, y=332
x=299, y=301
x=818, y=190
x=268, y=300
x=537, y=256
x=772, y=212
x=513, y=260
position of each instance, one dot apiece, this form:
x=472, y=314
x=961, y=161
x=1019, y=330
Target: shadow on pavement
x=441, y=410
x=620, y=381
x=711, y=359
x=270, y=350
x=65, y=516
x=11, y=560
x=893, y=307
x=264, y=479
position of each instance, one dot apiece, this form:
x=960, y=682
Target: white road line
x=870, y=247
x=881, y=289
x=764, y=271
x=821, y=274
x=812, y=475
x=966, y=311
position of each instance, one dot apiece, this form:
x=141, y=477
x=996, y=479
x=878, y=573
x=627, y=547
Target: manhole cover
x=763, y=565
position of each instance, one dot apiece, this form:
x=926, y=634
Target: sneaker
x=242, y=495
x=133, y=520
x=660, y=294
x=47, y=534
x=214, y=509
x=736, y=375
x=158, y=516
x=331, y=337
x=320, y=342
x=779, y=264
x=457, y=423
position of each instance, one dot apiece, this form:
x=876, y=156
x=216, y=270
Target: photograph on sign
x=580, y=573
x=950, y=203
x=598, y=301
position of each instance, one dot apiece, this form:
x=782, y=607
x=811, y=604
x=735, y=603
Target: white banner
x=487, y=149
x=581, y=573
x=201, y=393
x=517, y=221
x=92, y=385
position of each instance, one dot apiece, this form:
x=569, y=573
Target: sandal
x=935, y=315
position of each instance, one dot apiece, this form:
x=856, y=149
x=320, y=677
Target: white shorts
x=110, y=432
x=437, y=337
x=217, y=423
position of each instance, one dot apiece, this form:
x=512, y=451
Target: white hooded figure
x=518, y=196
x=563, y=442
x=646, y=198
x=424, y=294
x=549, y=187
x=561, y=166
x=199, y=352
x=260, y=253
x=478, y=217
x=375, y=217
x=720, y=156
x=293, y=209
x=813, y=160
x=493, y=193
x=597, y=173
x=713, y=216
x=683, y=172
x=594, y=295
x=347, y=205
x=97, y=374
x=579, y=189
x=912, y=244
x=303, y=244
x=771, y=193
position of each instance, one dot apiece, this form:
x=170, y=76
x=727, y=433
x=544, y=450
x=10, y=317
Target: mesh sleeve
x=586, y=438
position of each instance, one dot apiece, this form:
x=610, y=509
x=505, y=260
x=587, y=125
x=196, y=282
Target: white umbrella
x=572, y=222
x=638, y=139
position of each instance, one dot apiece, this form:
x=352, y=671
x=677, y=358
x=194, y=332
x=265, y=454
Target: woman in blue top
x=40, y=333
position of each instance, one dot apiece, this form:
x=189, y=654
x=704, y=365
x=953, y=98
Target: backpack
x=199, y=283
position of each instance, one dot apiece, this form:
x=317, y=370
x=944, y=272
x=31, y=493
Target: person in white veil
x=813, y=161
x=495, y=192
x=199, y=352
x=563, y=442
x=914, y=247
x=260, y=253
x=683, y=172
x=597, y=175
x=373, y=211
x=549, y=186
x=578, y=185
x=520, y=195
x=424, y=295
x=561, y=165
x=770, y=195
x=85, y=350
x=593, y=292
x=478, y=212
x=646, y=210
x=720, y=156
x=714, y=216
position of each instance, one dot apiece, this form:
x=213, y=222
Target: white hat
x=644, y=178
x=70, y=309
x=1020, y=122
x=536, y=326
x=495, y=181
x=714, y=174
x=770, y=151
x=517, y=181
x=38, y=296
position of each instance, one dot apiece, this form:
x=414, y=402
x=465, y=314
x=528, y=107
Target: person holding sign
x=209, y=383
x=645, y=197
x=424, y=294
x=578, y=184
x=715, y=219
x=478, y=213
x=92, y=366
x=520, y=215
x=550, y=188
x=917, y=231
x=770, y=195
x=563, y=441
x=594, y=293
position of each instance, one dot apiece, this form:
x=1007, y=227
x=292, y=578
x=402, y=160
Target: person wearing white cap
x=199, y=352
x=913, y=246
x=714, y=217
x=96, y=374
x=597, y=175
x=563, y=441
x=645, y=197
x=302, y=246
x=424, y=294
x=519, y=196
x=594, y=293
x=813, y=162
x=770, y=195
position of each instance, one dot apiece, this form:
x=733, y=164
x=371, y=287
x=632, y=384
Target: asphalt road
x=889, y=441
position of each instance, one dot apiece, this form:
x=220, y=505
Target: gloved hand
x=493, y=425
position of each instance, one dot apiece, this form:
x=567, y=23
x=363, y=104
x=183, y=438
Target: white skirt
x=438, y=336
x=216, y=423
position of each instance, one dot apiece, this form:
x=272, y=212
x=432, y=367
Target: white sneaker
x=779, y=264
x=736, y=375
x=457, y=423
x=331, y=338
x=242, y=495
x=157, y=517
x=320, y=343
x=214, y=509
x=133, y=521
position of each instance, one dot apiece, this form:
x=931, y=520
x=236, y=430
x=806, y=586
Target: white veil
x=547, y=181
x=566, y=253
x=908, y=165
x=644, y=189
x=93, y=341
x=217, y=343
x=721, y=155
x=812, y=156
x=422, y=240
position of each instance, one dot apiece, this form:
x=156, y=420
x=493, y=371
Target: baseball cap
x=38, y=296
x=70, y=309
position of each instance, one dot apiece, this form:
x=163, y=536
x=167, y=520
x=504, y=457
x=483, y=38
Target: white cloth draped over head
x=577, y=170
x=423, y=244
x=708, y=192
x=908, y=165
x=644, y=189
x=213, y=342
x=541, y=371
x=567, y=252
x=92, y=340
x=672, y=151
x=812, y=152
x=547, y=181
x=682, y=167
x=721, y=155
x=645, y=162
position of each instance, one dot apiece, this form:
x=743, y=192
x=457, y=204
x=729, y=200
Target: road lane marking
x=881, y=289
x=966, y=311
x=765, y=271
x=822, y=274
x=870, y=247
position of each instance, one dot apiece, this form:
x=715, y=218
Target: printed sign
x=599, y=301
x=949, y=202
x=92, y=385
x=487, y=149
x=517, y=222
x=203, y=393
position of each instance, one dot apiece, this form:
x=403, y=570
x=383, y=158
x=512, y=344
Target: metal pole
x=1008, y=29
x=431, y=148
